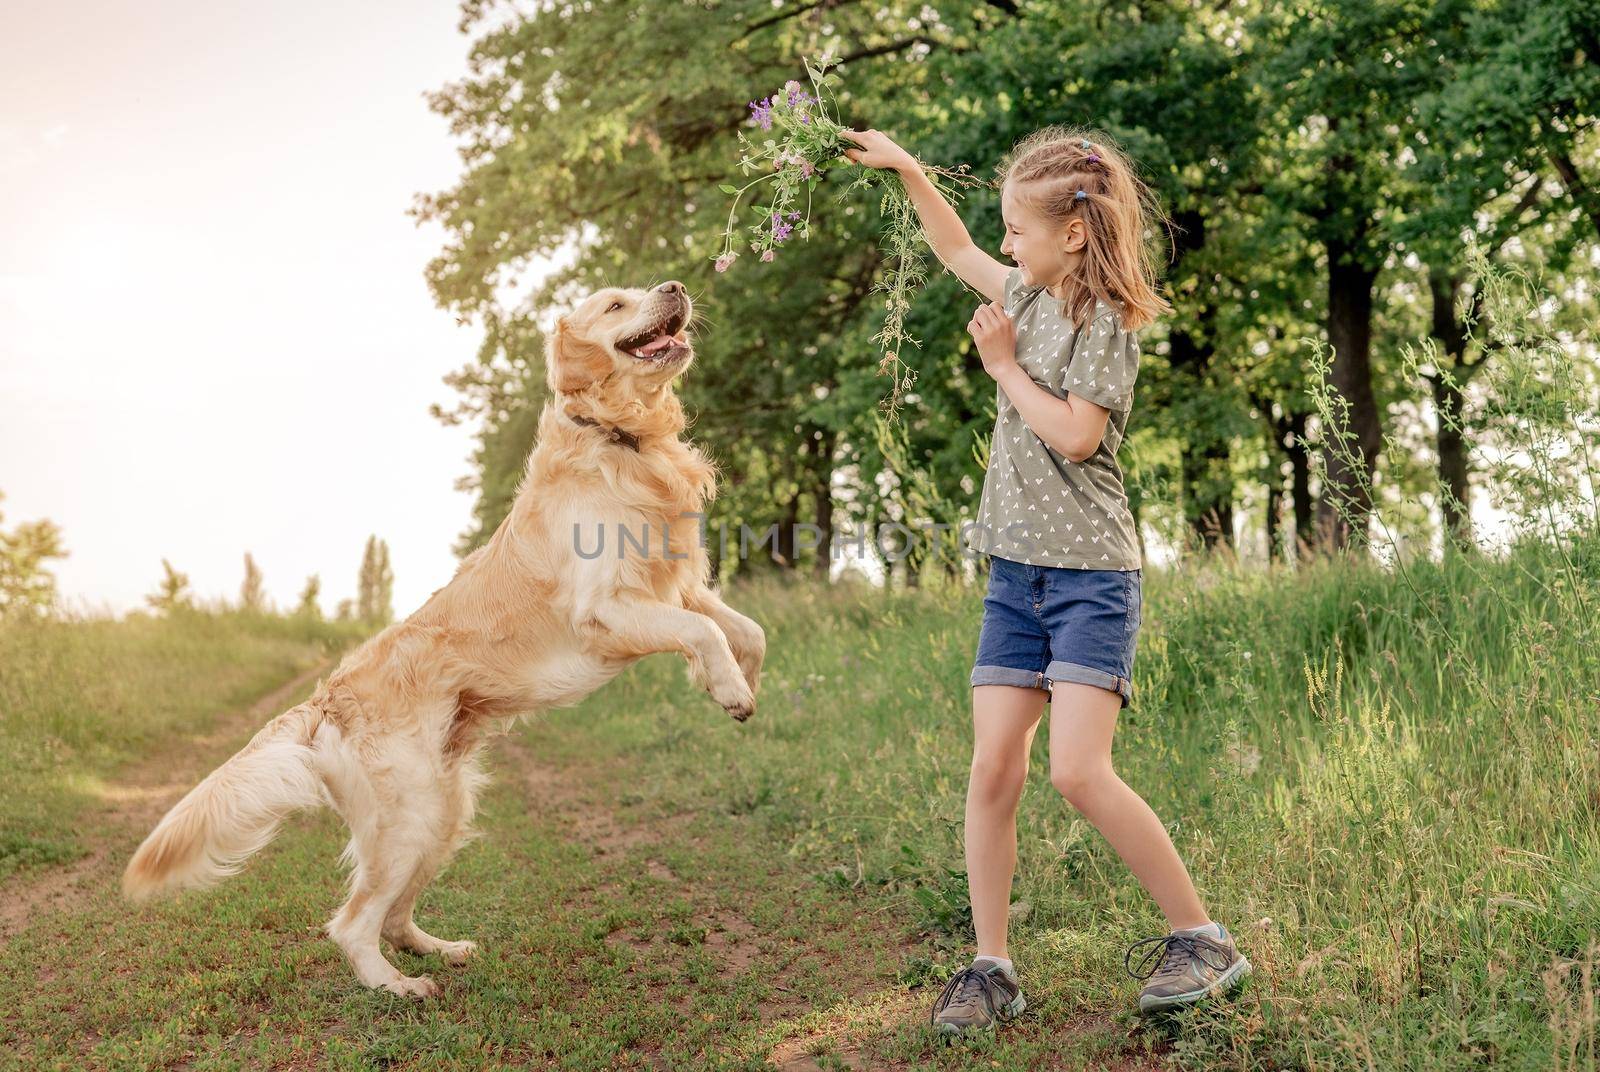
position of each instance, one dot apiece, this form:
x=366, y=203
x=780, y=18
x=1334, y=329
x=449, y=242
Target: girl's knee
x=997, y=779
x=1078, y=781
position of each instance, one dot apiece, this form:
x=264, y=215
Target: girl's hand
x=996, y=336
x=877, y=150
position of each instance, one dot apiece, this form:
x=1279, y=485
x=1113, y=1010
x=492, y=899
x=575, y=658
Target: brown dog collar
x=616, y=435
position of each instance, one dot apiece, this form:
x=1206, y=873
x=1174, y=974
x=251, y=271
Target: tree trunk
x=1452, y=447
x=1346, y=507
x=786, y=533
x=1450, y=441
x=1300, y=484
x=1208, y=492
x=1274, y=493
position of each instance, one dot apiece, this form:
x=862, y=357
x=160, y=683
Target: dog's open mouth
x=666, y=341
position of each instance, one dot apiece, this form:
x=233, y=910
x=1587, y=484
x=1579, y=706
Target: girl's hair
x=1046, y=170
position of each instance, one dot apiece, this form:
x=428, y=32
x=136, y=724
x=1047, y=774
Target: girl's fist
x=877, y=150
x=996, y=336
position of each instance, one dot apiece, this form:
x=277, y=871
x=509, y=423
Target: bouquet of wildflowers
x=806, y=143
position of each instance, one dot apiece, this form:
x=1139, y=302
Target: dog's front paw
x=736, y=697
x=418, y=986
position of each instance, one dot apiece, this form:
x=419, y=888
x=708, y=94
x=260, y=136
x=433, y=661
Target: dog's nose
x=671, y=287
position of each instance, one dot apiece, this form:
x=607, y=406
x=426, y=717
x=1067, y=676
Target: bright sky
x=214, y=331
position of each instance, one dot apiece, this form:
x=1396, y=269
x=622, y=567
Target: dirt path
x=626, y=929
x=136, y=799
x=643, y=844
x=803, y=1028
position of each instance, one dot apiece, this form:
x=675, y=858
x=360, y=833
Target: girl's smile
x=1044, y=253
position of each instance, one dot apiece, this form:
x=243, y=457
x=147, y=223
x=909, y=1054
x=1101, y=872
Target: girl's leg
x=1082, y=719
x=1004, y=719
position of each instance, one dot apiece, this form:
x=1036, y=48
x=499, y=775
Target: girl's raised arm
x=946, y=233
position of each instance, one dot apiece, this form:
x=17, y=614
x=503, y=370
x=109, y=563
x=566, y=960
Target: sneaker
x=1184, y=968
x=975, y=999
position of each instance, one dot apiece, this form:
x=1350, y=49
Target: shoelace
x=965, y=986
x=1168, y=954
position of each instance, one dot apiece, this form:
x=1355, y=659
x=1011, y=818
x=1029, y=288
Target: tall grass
x=1412, y=863
x=78, y=697
x=1382, y=771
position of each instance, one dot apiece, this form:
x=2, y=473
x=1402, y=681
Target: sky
x=215, y=333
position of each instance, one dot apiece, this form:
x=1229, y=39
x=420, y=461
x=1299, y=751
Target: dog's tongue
x=656, y=345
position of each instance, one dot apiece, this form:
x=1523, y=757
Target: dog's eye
x=614, y=307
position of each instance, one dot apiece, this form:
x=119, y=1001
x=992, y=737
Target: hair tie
x=1081, y=195
x=1083, y=143
x=1094, y=158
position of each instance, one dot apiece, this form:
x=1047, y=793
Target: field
x=1386, y=782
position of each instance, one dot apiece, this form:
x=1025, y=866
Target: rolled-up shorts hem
x=1008, y=675
x=1056, y=671
x=1088, y=675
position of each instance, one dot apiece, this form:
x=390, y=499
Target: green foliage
x=809, y=143
x=252, y=596
x=308, y=607
x=1285, y=142
x=173, y=595
x=26, y=584
x=375, y=585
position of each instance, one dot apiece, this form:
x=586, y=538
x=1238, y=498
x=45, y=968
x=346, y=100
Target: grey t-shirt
x=1037, y=506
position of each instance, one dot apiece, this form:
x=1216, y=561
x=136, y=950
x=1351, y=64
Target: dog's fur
x=392, y=738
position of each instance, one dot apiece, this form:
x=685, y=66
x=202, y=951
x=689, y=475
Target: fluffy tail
x=233, y=813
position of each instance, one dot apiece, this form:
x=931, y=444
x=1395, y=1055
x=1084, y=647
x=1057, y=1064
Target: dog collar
x=616, y=435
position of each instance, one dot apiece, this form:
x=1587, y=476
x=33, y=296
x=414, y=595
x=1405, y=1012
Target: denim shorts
x=1043, y=624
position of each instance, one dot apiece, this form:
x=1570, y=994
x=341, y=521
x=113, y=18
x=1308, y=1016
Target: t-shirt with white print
x=1038, y=506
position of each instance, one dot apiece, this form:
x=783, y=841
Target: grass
x=78, y=698
x=1385, y=782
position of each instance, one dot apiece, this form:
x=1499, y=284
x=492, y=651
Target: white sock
x=1210, y=930
x=1005, y=965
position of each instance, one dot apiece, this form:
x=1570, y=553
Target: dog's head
x=640, y=338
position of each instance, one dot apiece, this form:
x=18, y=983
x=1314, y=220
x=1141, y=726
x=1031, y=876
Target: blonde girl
x=1062, y=610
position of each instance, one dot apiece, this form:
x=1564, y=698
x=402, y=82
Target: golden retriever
x=532, y=620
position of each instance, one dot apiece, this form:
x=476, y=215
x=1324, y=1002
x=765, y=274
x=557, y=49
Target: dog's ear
x=573, y=362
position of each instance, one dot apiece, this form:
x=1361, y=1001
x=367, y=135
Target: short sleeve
x=1105, y=364
x=1013, y=291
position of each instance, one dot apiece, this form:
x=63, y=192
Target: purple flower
x=796, y=94
x=780, y=231
x=794, y=215
x=761, y=112
x=767, y=256
x=807, y=169
x=725, y=260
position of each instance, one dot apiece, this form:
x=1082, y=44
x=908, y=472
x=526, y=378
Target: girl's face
x=1047, y=254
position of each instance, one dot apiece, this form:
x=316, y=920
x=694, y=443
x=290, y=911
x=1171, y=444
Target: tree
x=308, y=606
x=375, y=584
x=174, y=594
x=252, y=597
x=1320, y=165
x=26, y=586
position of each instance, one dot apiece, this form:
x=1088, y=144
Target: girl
x=1062, y=611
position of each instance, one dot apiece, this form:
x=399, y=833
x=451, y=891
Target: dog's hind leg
x=384, y=864
x=399, y=926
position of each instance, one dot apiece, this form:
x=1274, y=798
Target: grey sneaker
x=1184, y=968
x=975, y=999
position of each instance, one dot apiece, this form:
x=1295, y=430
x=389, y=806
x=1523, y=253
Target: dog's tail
x=234, y=812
